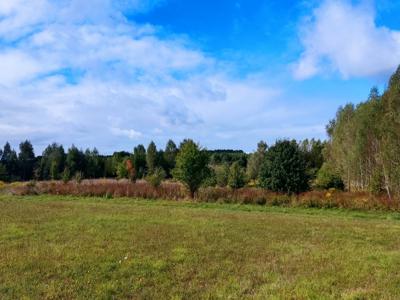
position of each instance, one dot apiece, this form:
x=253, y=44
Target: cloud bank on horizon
x=89, y=73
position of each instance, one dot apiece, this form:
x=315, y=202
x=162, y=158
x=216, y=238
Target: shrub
x=284, y=169
x=130, y=170
x=78, y=177
x=122, y=171
x=222, y=175
x=211, y=180
x=66, y=176
x=236, y=177
x=327, y=178
x=156, y=178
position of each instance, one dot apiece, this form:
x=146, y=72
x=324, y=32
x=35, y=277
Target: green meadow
x=54, y=247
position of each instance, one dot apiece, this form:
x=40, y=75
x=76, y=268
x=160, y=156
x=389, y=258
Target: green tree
x=327, y=178
x=191, y=166
x=10, y=161
x=94, y=166
x=139, y=160
x=156, y=178
x=170, y=153
x=75, y=161
x=26, y=160
x=237, y=176
x=313, y=154
x=3, y=173
x=151, y=158
x=122, y=171
x=284, y=168
x=52, y=163
x=256, y=160
x=222, y=174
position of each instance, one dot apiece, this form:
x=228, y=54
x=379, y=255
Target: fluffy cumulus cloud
x=79, y=72
x=343, y=37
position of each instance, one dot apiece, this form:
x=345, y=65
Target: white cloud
x=129, y=133
x=344, y=37
x=85, y=75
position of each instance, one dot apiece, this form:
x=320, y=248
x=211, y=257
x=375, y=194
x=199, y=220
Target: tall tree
x=139, y=160
x=236, y=177
x=256, y=160
x=75, y=161
x=170, y=154
x=94, y=165
x=52, y=162
x=9, y=160
x=151, y=158
x=26, y=159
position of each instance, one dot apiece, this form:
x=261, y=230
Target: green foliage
x=191, y=166
x=75, y=160
x=327, y=178
x=52, y=163
x=222, y=175
x=26, y=160
x=122, y=171
x=364, y=141
x=139, y=160
x=78, y=177
x=9, y=160
x=220, y=157
x=3, y=173
x=256, y=160
x=284, y=168
x=313, y=154
x=94, y=164
x=237, y=176
x=66, y=175
x=170, y=153
x=151, y=158
x=156, y=178
x=54, y=170
x=376, y=185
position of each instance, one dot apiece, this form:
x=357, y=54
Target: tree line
x=364, y=142
x=360, y=154
x=293, y=165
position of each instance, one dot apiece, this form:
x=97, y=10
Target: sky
x=226, y=73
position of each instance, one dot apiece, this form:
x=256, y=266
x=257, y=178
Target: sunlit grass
x=71, y=247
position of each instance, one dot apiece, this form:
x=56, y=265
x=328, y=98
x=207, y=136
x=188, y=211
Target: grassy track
x=65, y=247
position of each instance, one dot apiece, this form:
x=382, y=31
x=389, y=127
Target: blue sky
x=226, y=73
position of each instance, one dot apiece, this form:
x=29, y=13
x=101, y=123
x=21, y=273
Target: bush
x=156, y=178
x=66, y=176
x=122, y=171
x=211, y=180
x=78, y=177
x=327, y=179
x=222, y=175
x=236, y=177
x=284, y=169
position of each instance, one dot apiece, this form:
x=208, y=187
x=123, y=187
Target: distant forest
x=362, y=153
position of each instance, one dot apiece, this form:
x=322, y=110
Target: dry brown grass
x=170, y=190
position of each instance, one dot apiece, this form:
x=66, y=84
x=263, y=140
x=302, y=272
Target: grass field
x=65, y=247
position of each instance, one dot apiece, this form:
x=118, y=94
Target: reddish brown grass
x=170, y=190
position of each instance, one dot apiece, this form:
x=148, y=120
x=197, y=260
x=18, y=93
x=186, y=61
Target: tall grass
x=169, y=190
